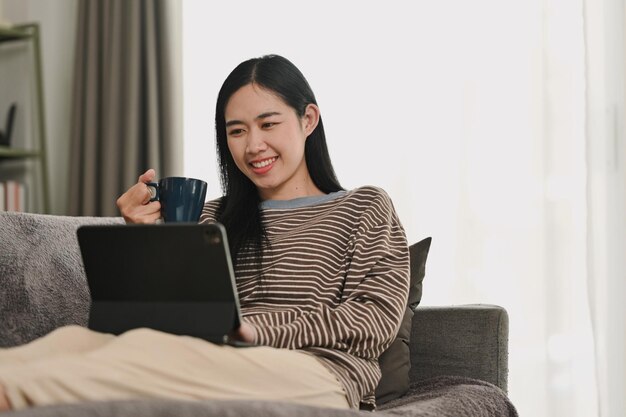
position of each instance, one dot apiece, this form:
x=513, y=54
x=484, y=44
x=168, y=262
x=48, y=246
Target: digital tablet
x=177, y=278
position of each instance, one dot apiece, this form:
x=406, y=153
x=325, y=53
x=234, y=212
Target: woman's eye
x=268, y=125
x=235, y=132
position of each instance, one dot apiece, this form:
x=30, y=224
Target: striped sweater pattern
x=333, y=282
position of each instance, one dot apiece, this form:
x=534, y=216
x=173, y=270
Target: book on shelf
x=12, y=196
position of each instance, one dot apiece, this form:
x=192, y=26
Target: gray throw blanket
x=42, y=283
x=436, y=397
x=451, y=396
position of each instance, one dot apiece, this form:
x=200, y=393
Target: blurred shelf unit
x=23, y=161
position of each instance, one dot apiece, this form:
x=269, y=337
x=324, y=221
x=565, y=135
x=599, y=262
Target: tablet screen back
x=176, y=278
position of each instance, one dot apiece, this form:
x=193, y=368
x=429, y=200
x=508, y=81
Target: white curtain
x=474, y=117
x=606, y=151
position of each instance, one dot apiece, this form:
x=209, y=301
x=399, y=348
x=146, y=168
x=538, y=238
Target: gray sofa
x=458, y=353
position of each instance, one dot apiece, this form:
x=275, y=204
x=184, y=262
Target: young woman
x=322, y=274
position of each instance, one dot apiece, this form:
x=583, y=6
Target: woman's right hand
x=135, y=204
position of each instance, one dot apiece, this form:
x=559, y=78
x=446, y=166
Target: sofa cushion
x=395, y=361
x=418, y=253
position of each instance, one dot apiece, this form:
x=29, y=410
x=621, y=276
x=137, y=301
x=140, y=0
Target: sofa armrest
x=468, y=340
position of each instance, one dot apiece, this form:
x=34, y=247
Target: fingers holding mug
x=136, y=205
x=153, y=191
x=147, y=176
x=145, y=213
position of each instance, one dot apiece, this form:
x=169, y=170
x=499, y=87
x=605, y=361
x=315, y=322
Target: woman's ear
x=310, y=119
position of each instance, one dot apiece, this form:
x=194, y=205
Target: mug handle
x=153, y=187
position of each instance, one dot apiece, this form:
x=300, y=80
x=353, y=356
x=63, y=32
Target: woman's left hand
x=245, y=333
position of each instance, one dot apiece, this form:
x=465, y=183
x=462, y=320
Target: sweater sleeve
x=374, y=296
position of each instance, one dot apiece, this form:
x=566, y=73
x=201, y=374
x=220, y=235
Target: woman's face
x=266, y=139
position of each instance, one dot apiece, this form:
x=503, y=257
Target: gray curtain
x=126, y=114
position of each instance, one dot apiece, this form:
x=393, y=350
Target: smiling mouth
x=264, y=163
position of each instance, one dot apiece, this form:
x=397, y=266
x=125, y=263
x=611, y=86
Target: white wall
x=403, y=94
x=57, y=21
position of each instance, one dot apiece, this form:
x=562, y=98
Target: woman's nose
x=256, y=142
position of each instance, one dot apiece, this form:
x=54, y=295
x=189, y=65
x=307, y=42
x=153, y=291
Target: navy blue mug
x=181, y=198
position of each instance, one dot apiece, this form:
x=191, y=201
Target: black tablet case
x=177, y=278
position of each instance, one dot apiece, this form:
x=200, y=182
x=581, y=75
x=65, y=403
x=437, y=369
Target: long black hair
x=239, y=208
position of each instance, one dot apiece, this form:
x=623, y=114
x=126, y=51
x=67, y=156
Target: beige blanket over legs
x=74, y=364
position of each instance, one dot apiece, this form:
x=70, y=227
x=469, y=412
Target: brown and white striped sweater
x=334, y=282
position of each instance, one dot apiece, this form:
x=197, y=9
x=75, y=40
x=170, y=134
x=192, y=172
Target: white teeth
x=263, y=163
